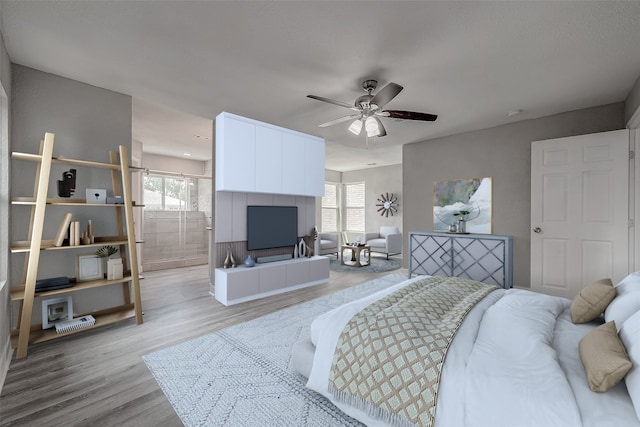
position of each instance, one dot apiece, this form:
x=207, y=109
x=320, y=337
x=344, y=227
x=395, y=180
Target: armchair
x=327, y=243
x=387, y=241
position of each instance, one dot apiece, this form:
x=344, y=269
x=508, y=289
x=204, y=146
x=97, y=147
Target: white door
x=579, y=211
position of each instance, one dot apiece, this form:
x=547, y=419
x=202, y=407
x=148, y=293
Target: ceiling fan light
x=373, y=133
x=356, y=127
x=371, y=125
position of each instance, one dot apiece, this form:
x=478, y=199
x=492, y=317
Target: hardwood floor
x=98, y=377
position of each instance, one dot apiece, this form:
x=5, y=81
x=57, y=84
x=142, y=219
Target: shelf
x=65, y=160
x=31, y=201
x=22, y=246
x=17, y=292
x=103, y=318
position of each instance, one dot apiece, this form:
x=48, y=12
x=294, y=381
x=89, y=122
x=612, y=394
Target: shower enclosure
x=177, y=216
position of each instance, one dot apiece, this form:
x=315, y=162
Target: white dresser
x=485, y=258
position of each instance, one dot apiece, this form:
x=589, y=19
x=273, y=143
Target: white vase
x=295, y=251
x=301, y=249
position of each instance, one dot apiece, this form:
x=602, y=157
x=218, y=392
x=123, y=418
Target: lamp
x=356, y=127
x=371, y=126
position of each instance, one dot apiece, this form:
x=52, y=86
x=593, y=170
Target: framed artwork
x=55, y=310
x=88, y=267
x=467, y=198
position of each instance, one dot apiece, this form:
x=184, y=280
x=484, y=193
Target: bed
x=513, y=360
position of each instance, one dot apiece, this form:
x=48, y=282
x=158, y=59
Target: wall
x=5, y=149
x=173, y=164
x=381, y=180
x=503, y=153
x=87, y=122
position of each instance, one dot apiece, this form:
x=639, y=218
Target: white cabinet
x=237, y=154
x=236, y=285
x=484, y=258
x=252, y=156
x=268, y=160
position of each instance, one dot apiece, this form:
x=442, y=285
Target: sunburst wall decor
x=387, y=204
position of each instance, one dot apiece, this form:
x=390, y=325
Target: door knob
x=537, y=230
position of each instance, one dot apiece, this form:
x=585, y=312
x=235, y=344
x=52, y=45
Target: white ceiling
x=469, y=62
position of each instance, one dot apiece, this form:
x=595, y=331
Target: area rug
x=240, y=376
x=378, y=265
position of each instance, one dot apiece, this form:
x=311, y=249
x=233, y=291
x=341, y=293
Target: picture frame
x=56, y=310
x=88, y=267
x=470, y=197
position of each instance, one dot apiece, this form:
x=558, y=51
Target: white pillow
x=626, y=302
x=630, y=336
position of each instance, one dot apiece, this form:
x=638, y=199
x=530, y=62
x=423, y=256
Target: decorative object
x=85, y=239
x=229, y=261
x=67, y=186
x=249, y=262
x=88, y=267
x=465, y=202
x=301, y=248
x=262, y=353
x=295, y=251
x=90, y=234
x=55, y=310
x=96, y=195
x=106, y=251
x=387, y=204
x=114, y=269
x=63, y=228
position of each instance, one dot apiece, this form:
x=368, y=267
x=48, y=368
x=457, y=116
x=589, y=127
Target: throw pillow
x=592, y=301
x=604, y=357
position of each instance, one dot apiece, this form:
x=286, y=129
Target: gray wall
x=5, y=149
x=381, y=180
x=87, y=122
x=503, y=153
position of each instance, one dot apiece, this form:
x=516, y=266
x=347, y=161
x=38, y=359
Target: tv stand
x=241, y=284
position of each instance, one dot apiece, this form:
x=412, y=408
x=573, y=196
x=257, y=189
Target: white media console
x=240, y=284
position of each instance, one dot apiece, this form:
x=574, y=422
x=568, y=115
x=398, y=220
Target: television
x=271, y=227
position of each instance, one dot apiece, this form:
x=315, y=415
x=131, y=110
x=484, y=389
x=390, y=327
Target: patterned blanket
x=390, y=355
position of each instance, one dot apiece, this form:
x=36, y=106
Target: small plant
x=106, y=251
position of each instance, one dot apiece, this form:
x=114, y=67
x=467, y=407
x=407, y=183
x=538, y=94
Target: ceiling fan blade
x=381, y=130
x=333, y=101
x=386, y=94
x=409, y=115
x=340, y=120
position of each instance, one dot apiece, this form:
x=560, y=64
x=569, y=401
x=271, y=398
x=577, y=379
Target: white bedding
x=513, y=362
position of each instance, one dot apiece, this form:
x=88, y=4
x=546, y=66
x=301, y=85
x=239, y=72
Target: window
x=170, y=193
x=354, y=207
x=330, y=208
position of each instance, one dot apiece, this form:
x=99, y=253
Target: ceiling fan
x=368, y=109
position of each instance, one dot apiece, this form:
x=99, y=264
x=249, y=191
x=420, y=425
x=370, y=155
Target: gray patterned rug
x=240, y=376
x=379, y=264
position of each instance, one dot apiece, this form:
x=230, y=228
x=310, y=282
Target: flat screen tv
x=271, y=227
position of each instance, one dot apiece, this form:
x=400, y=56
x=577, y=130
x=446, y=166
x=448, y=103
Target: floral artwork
x=469, y=198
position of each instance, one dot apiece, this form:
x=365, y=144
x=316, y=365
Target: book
x=73, y=324
x=62, y=230
x=78, y=235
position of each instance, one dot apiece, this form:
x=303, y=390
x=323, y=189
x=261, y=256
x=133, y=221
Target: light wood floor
x=98, y=378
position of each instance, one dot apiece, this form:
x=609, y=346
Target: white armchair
x=327, y=243
x=388, y=241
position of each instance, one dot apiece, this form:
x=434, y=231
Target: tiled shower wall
x=163, y=233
